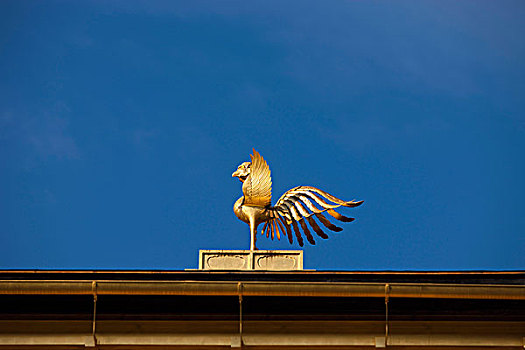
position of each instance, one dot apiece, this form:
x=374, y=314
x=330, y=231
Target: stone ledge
x=261, y=260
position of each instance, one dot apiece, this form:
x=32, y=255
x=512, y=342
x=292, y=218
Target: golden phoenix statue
x=255, y=206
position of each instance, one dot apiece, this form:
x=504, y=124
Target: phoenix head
x=242, y=171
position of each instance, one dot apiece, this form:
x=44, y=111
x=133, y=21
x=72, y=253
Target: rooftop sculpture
x=295, y=205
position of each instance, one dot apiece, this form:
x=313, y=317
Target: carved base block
x=273, y=260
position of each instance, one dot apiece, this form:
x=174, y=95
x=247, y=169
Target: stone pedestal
x=272, y=260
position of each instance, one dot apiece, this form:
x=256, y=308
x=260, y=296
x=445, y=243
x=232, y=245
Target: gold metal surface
x=250, y=288
x=296, y=206
x=261, y=334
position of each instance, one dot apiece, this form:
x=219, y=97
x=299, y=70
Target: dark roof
x=454, y=277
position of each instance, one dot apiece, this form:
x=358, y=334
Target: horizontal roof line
x=257, y=288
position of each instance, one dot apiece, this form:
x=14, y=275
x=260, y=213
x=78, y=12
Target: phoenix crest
x=294, y=208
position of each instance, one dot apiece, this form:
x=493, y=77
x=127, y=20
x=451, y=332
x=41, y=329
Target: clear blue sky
x=121, y=123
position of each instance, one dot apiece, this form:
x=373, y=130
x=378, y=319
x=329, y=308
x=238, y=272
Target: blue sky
x=121, y=123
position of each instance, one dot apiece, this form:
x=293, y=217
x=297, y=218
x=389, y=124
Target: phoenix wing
x=257, y=188
x=296, y=206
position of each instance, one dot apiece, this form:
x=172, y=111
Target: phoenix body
x=295, y=208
